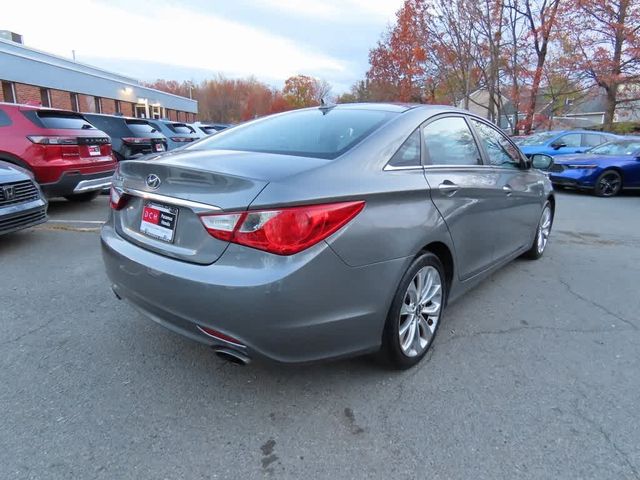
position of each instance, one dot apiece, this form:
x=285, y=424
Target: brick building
x=35, y=77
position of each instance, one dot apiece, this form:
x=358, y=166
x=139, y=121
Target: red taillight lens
x=53, y=140
x=182, y=139
x=117, y=198
x=284, y=231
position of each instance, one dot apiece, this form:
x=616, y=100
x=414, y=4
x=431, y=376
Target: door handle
x=507, y=189
x=448, y=188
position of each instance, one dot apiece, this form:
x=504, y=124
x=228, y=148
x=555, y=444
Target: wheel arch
x=11, y=158
x=445, y=255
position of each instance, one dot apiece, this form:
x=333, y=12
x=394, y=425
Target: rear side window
x=61, y=120
x=408, y=155
x=141, y=128
x=209, y=130
x=180, y=128
x=592, y=140
x=5, y=121
x=449, y=142
x=326, y=133
x=500, y=151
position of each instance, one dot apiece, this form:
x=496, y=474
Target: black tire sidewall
x=597, y=190
x=390, y=341
x=533, y=253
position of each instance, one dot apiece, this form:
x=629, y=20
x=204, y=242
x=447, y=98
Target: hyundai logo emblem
x=153, y=181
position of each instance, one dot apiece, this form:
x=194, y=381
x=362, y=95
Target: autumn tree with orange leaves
x=606, y=48
x=224, y=99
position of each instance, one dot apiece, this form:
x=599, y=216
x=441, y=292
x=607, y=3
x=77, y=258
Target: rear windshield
x=63, y=121
x=208, y=130
x=141, y=128
x=180, y=128
x=307, y=133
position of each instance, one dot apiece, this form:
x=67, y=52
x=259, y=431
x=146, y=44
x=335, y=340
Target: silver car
x=325, y=232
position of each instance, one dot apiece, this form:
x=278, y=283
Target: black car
x=22, y=204
x=130, y=137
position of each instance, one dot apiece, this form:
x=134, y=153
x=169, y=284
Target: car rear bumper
x=22, y=215
x=306, y=307
x=75, y=182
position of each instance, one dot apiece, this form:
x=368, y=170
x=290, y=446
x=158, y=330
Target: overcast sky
x=195, y=39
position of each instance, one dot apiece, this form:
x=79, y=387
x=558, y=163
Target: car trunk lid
x=173, y=189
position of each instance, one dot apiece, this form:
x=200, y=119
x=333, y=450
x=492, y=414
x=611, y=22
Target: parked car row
x=74, y=155
x=46, y=152
x=599, y=162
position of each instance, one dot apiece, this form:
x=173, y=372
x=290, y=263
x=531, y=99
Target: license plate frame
x=94, y=150
x=159, y=221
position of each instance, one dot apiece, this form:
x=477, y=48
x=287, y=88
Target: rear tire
x=609, y=184
x=82, y=197
x=543, y=230
x=415, y=313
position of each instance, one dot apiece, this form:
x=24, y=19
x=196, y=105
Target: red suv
x=68, y=156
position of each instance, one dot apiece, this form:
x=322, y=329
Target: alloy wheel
x=609, y=184
x=420, y=311
x=544, y=229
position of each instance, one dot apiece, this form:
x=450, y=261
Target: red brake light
x=53, y=140
x=283, y=231
x=117, y=198
x=182, y=139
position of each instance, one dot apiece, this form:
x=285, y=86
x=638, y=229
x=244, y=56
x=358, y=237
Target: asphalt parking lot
x=534, y=374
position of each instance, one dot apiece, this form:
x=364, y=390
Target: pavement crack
x=596, y=426
x=597, y=305
x=508, y=331
x=29, y=332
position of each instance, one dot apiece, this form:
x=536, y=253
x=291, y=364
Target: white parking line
x=95, y=222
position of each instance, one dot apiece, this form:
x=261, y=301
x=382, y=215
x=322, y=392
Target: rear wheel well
x=443, y=253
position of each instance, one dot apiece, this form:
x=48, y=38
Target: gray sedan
x=325, y=232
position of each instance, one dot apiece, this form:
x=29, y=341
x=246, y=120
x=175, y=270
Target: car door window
x=408, y=155
x=571, y=140
x=449, y=141
x=591, y=140
x=500, y=151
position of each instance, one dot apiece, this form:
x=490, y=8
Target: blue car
x=563, y=142
x=605, y=169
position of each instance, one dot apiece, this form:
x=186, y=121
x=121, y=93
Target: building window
x=9, y=92
x=45, y=97
x=75, y=105
x=117, y=107
x=97, y=101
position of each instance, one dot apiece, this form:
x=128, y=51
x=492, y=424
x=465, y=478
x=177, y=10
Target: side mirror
x=557, y=145
x=541, y=161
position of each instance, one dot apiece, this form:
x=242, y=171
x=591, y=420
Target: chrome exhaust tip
x=232, y=356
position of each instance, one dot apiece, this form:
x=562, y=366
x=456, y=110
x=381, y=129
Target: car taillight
x=136, y=140
x=117, y=198
x=182, y=139
x=53, y=140
x=283, y=231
